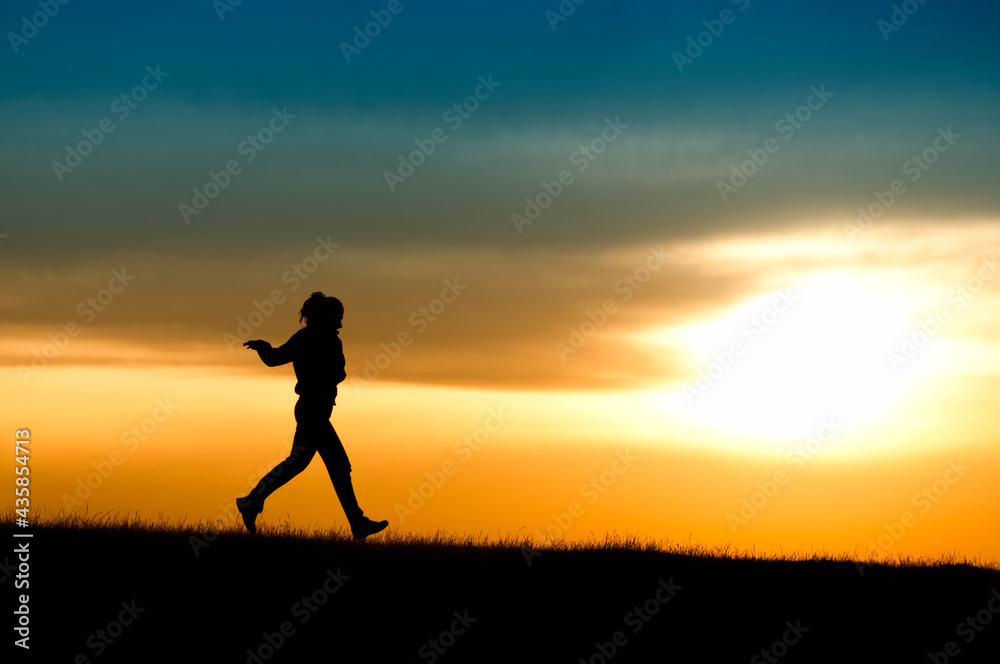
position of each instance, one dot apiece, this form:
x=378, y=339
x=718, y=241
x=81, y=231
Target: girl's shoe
x=249, y=511
x=368, y=527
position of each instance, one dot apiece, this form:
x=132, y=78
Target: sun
x=782, y=364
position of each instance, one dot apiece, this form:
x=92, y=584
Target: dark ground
x=390, y=600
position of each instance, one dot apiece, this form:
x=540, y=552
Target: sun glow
x=781, y=364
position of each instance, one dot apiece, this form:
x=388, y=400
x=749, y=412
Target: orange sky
x=813, y=422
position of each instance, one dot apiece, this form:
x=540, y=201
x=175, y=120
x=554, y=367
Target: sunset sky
x=715, y=272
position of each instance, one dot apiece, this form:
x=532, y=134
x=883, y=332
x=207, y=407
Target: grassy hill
x=123, y=589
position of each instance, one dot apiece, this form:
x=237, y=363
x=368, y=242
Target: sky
x=717, y=273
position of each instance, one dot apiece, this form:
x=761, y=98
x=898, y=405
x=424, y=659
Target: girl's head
x=321, y=310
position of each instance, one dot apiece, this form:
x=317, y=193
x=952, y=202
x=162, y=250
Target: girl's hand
x=258, y=345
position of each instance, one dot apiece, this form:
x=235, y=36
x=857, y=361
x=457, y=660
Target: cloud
x=532, y=319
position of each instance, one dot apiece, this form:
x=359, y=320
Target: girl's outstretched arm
x=272, y=357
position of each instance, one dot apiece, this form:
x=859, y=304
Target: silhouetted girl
x=317, y=355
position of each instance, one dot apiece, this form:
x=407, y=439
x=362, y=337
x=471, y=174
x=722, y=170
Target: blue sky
x=324, y=173
x=606, y=60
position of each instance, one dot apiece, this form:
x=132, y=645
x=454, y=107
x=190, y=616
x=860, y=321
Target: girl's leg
x=337, y=464
x=303, y=449
x=300, y=456
x=331, y=450
x=309, y=418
